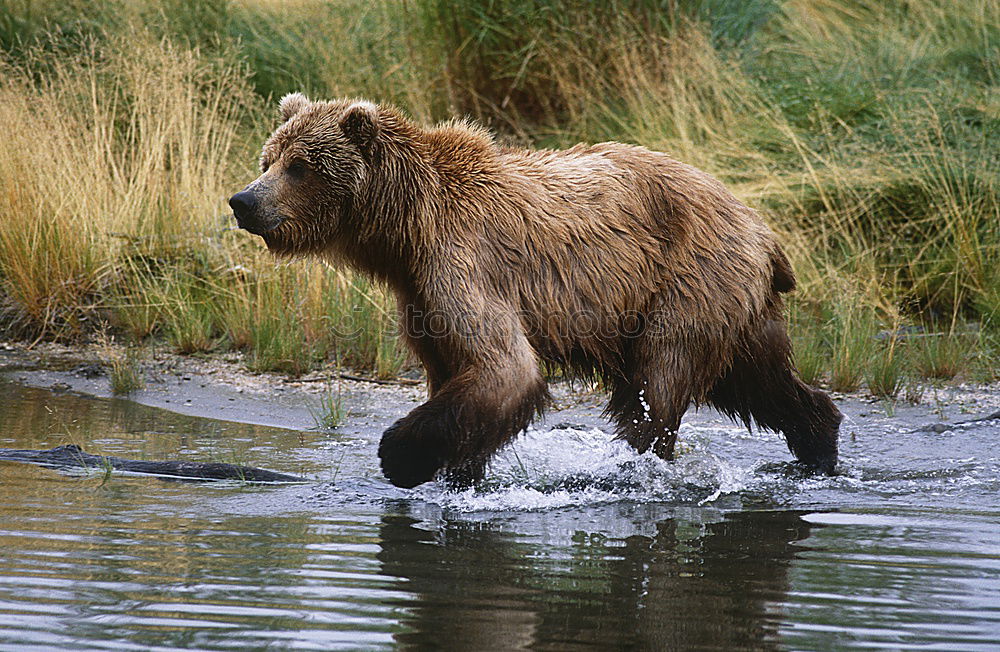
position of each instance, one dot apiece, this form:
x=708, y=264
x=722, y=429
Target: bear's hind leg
x=638, y=423
x=650, y=397
x=762, y=385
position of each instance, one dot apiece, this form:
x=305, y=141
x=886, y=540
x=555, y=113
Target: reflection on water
x=718, y=552
x=688, y=586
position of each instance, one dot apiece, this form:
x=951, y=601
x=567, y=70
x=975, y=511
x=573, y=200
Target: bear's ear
x=360, y=125
x=291, y=104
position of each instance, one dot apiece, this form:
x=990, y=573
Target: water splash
x=566, y=467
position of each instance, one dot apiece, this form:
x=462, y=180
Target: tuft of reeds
x=330, y=410
x=854, y=328
x=942, y=356
x=126, y=373
x=885, y=373
x=124, y=365
x=131, y=140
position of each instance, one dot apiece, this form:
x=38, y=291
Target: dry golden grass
x=126, y=147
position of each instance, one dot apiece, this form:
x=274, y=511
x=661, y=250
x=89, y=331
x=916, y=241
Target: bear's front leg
x=469, y=419
x=414, y=448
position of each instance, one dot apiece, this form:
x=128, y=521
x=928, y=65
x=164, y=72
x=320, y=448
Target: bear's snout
x=243, y=205
x=248, y=214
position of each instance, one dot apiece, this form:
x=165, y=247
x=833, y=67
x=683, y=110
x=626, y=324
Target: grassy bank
x=869, y=136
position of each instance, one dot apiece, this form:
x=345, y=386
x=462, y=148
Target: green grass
x=330, y=410
x=125, y=373
x=854, y=328
x=885, y=373
x=123, y=364
x=943, y=356
x=868, y=134
x=811, y=350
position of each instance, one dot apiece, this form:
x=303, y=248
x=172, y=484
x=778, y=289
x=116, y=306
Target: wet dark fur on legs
x=762, y=386
x=457, y=431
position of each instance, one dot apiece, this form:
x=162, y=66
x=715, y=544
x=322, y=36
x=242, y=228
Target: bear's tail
x=782, y=276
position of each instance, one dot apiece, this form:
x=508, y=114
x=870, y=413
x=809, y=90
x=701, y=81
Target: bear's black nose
x=242, y=204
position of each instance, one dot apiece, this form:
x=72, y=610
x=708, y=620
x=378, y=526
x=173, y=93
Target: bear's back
x=611, y=229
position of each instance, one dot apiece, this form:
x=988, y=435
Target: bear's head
x=313, y=167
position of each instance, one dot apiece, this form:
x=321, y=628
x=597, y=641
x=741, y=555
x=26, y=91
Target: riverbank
x=219, y=386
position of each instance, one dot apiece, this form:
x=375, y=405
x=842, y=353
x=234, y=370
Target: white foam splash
x=568, y=467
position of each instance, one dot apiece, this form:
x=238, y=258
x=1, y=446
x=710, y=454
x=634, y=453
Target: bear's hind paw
x=821, y=465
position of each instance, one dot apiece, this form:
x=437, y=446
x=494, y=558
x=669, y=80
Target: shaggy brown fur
x=607, y=260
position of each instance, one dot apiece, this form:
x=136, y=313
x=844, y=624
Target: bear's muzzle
x=248, y=215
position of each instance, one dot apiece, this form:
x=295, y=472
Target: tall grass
x=127, y=141
x=868, y=134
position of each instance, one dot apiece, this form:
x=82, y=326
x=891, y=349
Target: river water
x=574, y=542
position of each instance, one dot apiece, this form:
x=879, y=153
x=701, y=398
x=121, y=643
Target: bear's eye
x=296, y=169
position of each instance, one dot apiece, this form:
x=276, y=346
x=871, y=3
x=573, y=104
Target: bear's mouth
x=276, y=239
x=260, y=227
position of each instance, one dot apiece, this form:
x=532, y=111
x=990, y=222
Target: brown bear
x=605, y=260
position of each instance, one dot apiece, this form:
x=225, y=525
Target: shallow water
x=573, y=542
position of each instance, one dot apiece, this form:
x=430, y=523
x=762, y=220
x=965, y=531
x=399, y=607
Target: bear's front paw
x=465, y=476
x=405, y=462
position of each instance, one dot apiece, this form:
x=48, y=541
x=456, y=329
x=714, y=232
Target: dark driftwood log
x=940, y=427
x=71, y=455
